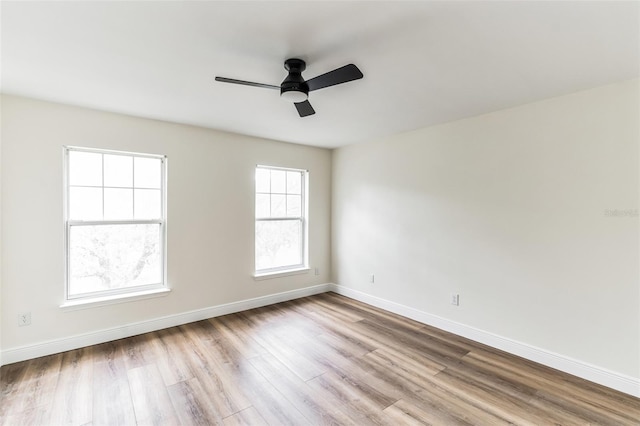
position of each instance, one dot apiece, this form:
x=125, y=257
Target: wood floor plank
x=376, y=335
x=366, y=406
x=286, y=350
x=402, y=416
x=423, y=367
x=338, y=329
x=419, y=413
x=265, y=397
x=430, y=394
x=323, y=359
x=439, y=351
x=585, y=411
x=370, y=312
x=453, y=407
x=31, y=416
x=586, y=399
x=110, y=383
x=335, y=314
x=294, y=319
x=314, y=407
x=489, y=399
x=344, y=345
x=12, y=380
x=536, y=373
x=73, y=398
x=30, y=388
x=346, y=369
x=214, y=340
x=191, y=404
x=138, y=350
x=169, y=347
x=215, y=376
x=377, y=313
x=151, y=401
x=235, y=335
x=247, y=417
x=359, y=372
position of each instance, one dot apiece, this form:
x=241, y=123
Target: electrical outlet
x=317, y=271
x=372, y=278
x=455, y=299
x=24, y=319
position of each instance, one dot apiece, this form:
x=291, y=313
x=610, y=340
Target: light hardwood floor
x=324, y=359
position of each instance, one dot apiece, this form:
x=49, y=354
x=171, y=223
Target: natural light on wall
x=115, y=222
x=280, y=228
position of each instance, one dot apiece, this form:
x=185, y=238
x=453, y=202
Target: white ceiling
x=423, y=62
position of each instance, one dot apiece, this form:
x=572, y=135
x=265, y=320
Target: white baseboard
x=621, y=382
x=9, y=356
x=611, y=379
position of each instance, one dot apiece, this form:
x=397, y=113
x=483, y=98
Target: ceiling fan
x=294, y=88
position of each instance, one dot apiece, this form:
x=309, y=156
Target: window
x=281, y=225
x=115, y=222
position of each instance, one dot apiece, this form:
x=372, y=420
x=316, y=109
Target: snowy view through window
x=115, y=222
x=279, y=219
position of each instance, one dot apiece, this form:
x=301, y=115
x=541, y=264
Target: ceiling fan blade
x=246, y=83
x=304, y=108
x=338, y=76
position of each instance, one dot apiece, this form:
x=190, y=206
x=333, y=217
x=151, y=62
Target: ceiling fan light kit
x=295, y=89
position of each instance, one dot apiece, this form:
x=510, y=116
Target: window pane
x=148, y=172
x=148, y=204
x=85, y=203
x=118, y=171
x=263, y=180
x=262, y=205
x=294, y=206
x=278, y=178
x=278, y=243
x=118, y=204
x=109, y=257
x=294, y=182
x=85, y=168
x=278, y=205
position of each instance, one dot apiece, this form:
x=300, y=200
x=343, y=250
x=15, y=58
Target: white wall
x=210, y=216
x=1, y=322
x=507, y=209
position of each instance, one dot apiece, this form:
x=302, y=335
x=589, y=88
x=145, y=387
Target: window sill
x=278, y=274
x=73, y=305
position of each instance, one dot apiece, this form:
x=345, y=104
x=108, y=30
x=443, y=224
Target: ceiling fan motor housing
x=294, y=88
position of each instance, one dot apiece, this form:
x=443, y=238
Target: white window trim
x=261, y=274
x=289, y=272
x=78, y=304
x=118, y=295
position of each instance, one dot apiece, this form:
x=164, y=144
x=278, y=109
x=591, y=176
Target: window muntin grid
x=280, y=214
x=115, y=220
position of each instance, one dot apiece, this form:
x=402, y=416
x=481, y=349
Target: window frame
x=303, y=219
x=127, y=292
